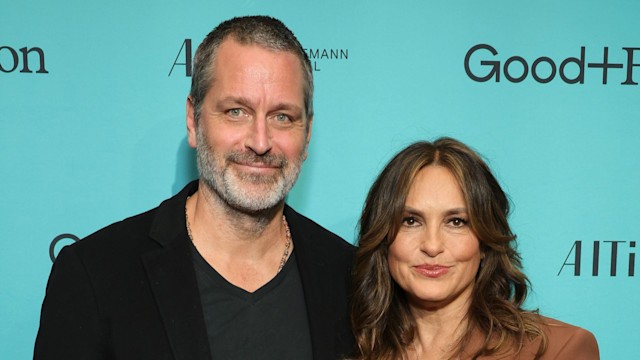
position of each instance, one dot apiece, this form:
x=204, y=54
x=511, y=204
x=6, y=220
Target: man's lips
x=256, y=163
x=432, y=271
x=259, y=165
x=257, y=168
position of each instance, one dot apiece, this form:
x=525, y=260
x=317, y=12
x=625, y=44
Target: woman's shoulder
x=564, y=342
x=567, y=341
x=562, y=330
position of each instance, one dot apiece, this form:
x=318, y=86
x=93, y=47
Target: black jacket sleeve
x=70, y=325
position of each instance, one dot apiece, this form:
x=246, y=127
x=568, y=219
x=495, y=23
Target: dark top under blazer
x=129, y=291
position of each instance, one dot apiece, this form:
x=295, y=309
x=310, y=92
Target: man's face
x=252, y=135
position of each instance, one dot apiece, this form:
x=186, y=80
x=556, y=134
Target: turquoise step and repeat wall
x=92, y=128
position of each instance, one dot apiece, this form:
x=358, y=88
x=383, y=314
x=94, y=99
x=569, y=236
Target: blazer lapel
x=316, y=286
x=175, y=287
x=173, y=281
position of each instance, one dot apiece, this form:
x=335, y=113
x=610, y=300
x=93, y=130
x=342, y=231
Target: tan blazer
x=565, y=342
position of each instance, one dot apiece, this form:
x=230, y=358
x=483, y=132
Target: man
x=224, y=269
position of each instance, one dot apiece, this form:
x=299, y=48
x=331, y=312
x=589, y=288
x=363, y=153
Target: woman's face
x=436, y=255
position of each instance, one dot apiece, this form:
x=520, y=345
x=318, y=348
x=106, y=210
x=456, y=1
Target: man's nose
x=259, y=136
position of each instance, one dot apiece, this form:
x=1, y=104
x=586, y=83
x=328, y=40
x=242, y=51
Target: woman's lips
x=432, y=271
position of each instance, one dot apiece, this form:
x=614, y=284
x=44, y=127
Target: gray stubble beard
x=228, y=187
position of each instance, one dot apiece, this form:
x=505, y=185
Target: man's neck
x=245, y=248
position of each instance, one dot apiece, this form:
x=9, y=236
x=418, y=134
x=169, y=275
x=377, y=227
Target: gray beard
x=231, y=187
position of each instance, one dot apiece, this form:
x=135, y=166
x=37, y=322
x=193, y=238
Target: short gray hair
x=264, y=31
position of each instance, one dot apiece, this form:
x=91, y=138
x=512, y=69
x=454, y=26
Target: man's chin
x=254, y=206
x=255, y=198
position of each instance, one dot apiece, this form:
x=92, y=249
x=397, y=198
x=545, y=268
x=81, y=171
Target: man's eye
x=234, y=112
x=282, y=118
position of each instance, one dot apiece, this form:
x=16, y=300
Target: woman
x=437, y=275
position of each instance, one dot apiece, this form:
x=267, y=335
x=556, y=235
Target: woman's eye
x=458, y=222
x=410, y=221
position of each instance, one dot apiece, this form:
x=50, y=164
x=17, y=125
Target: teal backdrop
x=92, y=128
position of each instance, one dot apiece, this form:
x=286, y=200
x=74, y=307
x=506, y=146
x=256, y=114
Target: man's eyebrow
x=235, y=100
x=244, y=101
x=288, y=106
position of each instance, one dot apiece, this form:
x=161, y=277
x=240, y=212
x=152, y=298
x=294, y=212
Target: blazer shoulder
x=163, y=223
x=117, y=235
x=566, y=341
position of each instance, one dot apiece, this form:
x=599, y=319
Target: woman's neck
x=438, y=330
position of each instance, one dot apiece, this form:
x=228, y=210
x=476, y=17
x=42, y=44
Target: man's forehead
x=252, y=62
x=232, y=46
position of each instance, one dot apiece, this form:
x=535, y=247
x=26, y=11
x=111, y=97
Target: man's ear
x=191, y=123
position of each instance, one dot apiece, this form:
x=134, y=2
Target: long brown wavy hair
x=382, y=323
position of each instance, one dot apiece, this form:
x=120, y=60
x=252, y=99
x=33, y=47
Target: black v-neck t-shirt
x=270, y=323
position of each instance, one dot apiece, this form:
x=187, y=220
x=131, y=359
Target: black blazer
x=129, y=291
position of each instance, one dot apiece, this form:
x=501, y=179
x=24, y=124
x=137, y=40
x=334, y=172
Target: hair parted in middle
x=380, y=315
